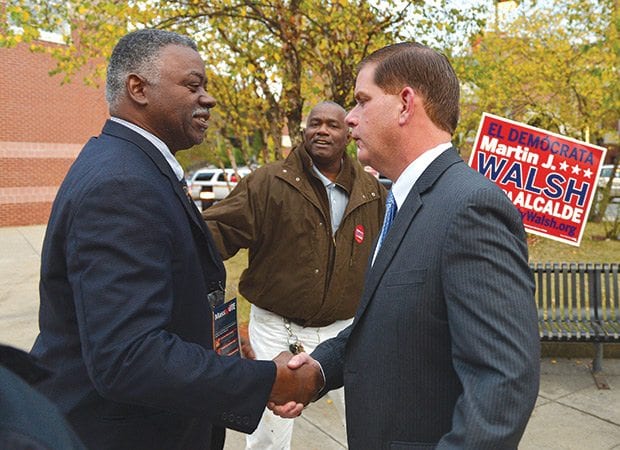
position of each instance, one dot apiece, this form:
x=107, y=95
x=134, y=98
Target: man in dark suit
x=127, y=269
x=443, y=351
x=28, y=420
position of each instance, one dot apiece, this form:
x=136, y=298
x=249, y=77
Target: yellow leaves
x=323, y=45
x=545, y=70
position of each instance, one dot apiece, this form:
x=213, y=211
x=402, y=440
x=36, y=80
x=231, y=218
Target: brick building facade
x=43, y=126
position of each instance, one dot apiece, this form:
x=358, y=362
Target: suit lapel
x=158, y=159
x=402, y=222
x=198, y=225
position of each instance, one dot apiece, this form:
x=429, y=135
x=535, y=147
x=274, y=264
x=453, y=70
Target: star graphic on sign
x=576, y=169
x=587, y=173
x=564, y=166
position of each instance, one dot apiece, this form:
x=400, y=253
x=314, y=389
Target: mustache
x=201, y=112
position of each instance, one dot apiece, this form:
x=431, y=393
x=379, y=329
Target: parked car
x=386, y=182
x=606, y=171
x=210, y=185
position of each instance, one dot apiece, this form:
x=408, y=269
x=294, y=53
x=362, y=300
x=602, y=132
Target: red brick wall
x=43, y=125
x=35, y=107
x=26, y=172
x=17, y=214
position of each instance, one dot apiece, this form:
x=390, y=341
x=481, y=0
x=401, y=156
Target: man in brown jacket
x=309, y=223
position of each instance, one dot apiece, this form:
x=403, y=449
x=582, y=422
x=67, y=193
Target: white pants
x=269, y=337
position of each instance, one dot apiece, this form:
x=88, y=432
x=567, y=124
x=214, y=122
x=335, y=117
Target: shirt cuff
x=320, y=392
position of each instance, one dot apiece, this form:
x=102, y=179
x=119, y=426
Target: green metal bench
x=578, y=302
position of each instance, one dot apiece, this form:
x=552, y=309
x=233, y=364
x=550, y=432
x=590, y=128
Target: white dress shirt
x=401, y=187
x=406, y=180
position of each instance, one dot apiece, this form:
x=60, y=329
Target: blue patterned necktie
x=390, y=213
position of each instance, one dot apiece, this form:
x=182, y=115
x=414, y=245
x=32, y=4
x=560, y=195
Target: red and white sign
x=359, y=234
x=550, y=178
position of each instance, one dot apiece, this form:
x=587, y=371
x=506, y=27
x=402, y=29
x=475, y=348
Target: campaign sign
x=550, y=178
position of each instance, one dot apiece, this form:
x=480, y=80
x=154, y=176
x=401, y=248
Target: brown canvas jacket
x=297, y=269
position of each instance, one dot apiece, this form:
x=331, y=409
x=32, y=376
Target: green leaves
x=553, y=66
x=269, y=62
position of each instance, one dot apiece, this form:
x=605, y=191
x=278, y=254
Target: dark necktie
x=186, y=190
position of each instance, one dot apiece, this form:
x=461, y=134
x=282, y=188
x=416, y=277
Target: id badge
x=225, y=334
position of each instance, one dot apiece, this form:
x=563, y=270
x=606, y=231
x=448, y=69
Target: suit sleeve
x=492, y=316
x=235, y=221
x=126, y=239
x=330, y=354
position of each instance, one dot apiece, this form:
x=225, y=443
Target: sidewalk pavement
x=571, y=413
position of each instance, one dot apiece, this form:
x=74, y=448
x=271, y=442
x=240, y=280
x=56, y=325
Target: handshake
x=298, y=381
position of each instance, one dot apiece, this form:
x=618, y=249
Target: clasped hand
x=298, y=381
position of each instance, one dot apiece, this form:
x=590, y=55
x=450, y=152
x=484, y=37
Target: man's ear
x=136, y=87
x=407, y=99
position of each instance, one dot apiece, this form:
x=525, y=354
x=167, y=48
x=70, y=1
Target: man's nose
x=323, y=129
x=207, y=101
x=350, y=119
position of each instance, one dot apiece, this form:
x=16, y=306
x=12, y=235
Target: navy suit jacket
x=444, y=350
x=126, y=266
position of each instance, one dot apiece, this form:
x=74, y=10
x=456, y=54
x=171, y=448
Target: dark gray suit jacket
x=444, y=349
x=125, y=326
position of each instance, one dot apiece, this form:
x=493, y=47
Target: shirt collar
x=158, y=143
x=345, y=176
x=326, y=181
x=406, y=180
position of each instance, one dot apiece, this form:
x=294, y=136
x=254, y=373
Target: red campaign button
x=359, y=234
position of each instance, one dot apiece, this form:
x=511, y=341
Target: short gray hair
x=138, y=52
